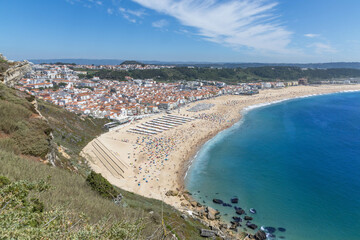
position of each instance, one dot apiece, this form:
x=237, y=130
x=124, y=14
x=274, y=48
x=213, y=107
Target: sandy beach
x=153, y=165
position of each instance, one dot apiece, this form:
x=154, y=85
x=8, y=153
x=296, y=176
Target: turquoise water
x=296, y=162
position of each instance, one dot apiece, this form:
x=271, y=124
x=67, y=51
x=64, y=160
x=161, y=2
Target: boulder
x=234, y=200
x=260, y=235
x=237, y=219
x=117, y=199
x=239, y=211
x=212, y=213
x=251, y=226
x=248, y=218
x=171, y=193
x=193, y=203
x=217, y=201
x=207, y=233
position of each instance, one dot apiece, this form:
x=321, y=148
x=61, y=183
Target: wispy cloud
x=321, y=48
x=110, y=11
x=86, y=3
x=131, y=15
x=312, y=35
x=237, y=23
x=160, y=24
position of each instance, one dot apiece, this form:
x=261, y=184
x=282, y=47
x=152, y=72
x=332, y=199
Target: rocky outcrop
x=207, y=233
x=260, y=235
x=14, y=73
x=2, y=57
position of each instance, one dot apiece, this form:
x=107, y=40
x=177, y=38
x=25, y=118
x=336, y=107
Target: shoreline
x=149, y=176
x=192, y=157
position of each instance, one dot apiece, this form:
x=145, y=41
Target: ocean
x=296, y=162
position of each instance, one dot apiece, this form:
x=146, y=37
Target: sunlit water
x=296, y=162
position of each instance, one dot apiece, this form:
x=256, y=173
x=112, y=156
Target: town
x=119, y=100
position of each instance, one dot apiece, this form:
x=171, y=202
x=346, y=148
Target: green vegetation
x=228, y=75
x=72, y=133
x=65, y=205
x=130, y=62
x=72, y=199
x=102, y=186
x=24, y=217
x=21, y=128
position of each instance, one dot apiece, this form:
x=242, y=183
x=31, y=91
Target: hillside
x=228, y=75
x=41, y=201
x=353, y=65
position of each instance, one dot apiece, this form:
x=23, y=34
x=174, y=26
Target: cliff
x=15, y=72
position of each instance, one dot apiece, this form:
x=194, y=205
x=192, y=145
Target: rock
x=281, y=229
x=226, y=205
x=184, y=216
x=234, y=200
x=237, y=219
x=247, y=218
x=207, y=233
x=182, y=204
x=171, y=193
x=270, y=229
x=239, y=211
x=118, y=199
x=223, y=226
x=251, y=226
x=193, y=203
x=260, y=235
x=252, y=210
x=217, y=201
x=212, y=213
x=14, y=73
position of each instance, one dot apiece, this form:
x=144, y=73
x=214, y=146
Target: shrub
x=9, y=145
x=102, y=186
x=4, y=181
x=22, y=218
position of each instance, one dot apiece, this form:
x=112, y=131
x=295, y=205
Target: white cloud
x=130, y=15
x=236, y=23
x=321, y=48
x=160, y=24
x=312, y=35
x=110, y=11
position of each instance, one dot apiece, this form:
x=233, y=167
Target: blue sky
x=182, y=30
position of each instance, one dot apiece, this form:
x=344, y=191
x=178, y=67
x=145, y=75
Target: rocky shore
x=212, y=218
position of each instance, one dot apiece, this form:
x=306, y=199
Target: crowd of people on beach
x=214, y=117
x=231, y=102
x=156, y=150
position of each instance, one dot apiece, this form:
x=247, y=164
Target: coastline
x=186, y=141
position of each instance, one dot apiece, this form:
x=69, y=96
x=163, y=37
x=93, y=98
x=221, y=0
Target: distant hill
x=354, y=65
x=131, y=63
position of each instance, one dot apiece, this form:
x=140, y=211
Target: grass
x=71, y=132
x=23, y=136
x=71, y=192
x=17, y=121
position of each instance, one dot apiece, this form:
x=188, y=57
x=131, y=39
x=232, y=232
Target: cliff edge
x=12, y=72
